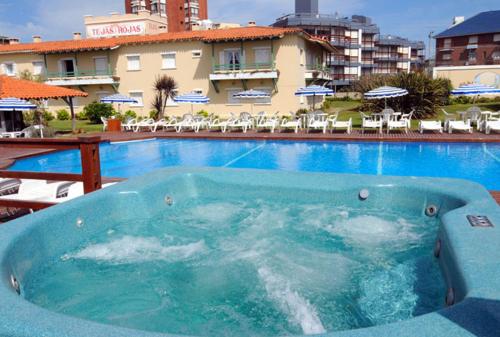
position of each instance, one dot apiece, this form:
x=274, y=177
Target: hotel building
x=469, y=51
x=216, y=63
x=179, y=14
x=359, y=48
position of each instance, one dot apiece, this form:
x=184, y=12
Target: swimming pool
x=479, y=162
x=217, y=252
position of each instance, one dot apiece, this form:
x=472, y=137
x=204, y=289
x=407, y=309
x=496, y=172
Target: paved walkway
x=9, y=154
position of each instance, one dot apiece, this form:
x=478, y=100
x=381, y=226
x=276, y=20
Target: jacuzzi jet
x=437, y=248
x=169, y=201
x=431, y=210
x=15, y=284
x=79, y=223
x=364, y=194
x=450, y=297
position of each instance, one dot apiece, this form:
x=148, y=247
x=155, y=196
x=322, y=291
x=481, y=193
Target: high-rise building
x=180, y=14
x=360, y=50
x=307, y=6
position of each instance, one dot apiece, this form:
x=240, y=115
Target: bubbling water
x=248, y=268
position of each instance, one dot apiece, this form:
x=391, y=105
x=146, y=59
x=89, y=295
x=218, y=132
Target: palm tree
x=166, y=89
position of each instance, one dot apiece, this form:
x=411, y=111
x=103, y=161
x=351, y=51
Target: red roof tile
x=13, y=87
x=242, y=33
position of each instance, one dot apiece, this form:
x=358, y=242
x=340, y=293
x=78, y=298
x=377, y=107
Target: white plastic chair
x=245, y=122
x=104, y=121
x=460, y=126
x=336, y=124
x=492, y=125
x=430, y=126
x=145, y=124
x=271, y=123
x=293, y=123
x=403, y=123
x=371, y=123
x=317, y=121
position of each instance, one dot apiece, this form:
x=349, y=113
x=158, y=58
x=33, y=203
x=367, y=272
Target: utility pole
x=431, y=34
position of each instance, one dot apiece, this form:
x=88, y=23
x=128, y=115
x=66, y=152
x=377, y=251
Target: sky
x=58, y=19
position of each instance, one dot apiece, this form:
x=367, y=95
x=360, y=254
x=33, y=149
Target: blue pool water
x=473, y=161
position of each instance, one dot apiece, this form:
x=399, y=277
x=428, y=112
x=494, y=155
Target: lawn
x=65, y=126
x=350, y=109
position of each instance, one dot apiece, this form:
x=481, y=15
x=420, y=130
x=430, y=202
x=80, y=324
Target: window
x=496, y=38
x=171, y=102
x=263, y=56
x=133, y=62
x=447, y=43
x=9, y=68
x=101, y=65
x=38, y=68
x=496, y=55
x=168, y=61
x=446, y=57
x=231, y=59
x=302, y=57
x=473, y=40
x=196, y=54
x=230, y=98
x=67, y=67
x=472, y=55
x=137, y=95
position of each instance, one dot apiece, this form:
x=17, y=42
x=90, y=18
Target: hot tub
x=220, y=252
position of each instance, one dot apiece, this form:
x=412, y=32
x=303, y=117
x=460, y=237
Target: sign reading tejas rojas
x=116, y=29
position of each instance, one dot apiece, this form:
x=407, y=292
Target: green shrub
x=94, y=111
x=302, y=111
x=154, y=114
x=81, y=116
x=47, y=116
x=203, y=113
x=426, y=95
x=130, y=114
x=62, y=115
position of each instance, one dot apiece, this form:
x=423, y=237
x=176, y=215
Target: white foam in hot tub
x=131, y=249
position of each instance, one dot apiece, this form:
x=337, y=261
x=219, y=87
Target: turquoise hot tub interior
x=223, y=252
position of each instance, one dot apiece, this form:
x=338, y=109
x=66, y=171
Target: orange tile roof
x=13, y=87
x=230, y=34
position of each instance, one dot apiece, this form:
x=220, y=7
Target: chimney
x=458, y=20
x=37, y=39
x=13, y=41
x=77, y=36
x=252, y=24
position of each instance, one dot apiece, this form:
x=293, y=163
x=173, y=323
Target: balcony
x=343, y=79
x=81, y=77
x=244, y=71
x=318, y=72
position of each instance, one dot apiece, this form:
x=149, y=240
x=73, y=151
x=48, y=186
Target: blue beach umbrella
x=385, y=93
x=16, y=104
x=192, y=98
x=118, y=98
x=252, y=95
x=475, y=90
x=313, y=91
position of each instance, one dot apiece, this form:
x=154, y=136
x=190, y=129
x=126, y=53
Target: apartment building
x=216, y=63
x=359, y=50
x=395, y=54
x=469, y=51
x=180, y=14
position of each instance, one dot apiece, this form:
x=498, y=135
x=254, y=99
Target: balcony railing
x=244, y=67
x=78, y=74
x=317, y=67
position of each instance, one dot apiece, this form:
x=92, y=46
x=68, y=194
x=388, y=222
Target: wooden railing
x=91, y=167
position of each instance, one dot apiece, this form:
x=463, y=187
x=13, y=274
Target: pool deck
x=9, y=155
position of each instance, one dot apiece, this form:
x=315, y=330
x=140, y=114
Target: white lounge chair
x=130, y=124
x=104, y=121
x=460, y=126
x=336, y=124
x=245, y=122
x=448, y=117
x=317, y=121
x=293, y=123
x=145, y=125
x=492, y=125
x=39, y=190
x=403, y=123
x=430, y=126
x=371, y=123
x=187, y=122
x=268, y=123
